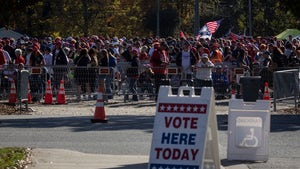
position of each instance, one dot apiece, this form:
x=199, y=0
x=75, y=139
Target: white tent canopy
x=9, y=33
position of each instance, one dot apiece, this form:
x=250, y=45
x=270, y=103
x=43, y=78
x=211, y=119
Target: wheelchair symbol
x=250, y=140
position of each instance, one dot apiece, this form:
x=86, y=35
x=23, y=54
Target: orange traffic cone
x=61, y=96
x=48, y=96
x=13, y=93
x=99, y=116
x=29, y=97
x=266, y=95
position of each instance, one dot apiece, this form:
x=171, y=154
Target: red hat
x=58, y=43
x=35, y=48
x=216, y=45
x=156, y=45
x=135, y=51
x=206, y=50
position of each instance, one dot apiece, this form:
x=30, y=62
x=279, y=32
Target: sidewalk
x=65, y=159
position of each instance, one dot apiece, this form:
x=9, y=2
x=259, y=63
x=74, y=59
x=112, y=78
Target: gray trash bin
x=250, y=87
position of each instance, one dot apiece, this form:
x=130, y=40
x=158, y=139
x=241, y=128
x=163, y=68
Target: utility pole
x=85, y=16
x=250, y=17
x=157, y=18
x=196, y=24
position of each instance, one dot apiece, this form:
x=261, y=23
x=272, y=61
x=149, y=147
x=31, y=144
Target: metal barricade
x=83, y=81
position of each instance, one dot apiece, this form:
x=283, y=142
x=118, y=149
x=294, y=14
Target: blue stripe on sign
x=172, y=166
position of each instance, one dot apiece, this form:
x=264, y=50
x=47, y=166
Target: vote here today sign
x=178, y=140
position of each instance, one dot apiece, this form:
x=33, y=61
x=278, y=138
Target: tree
x=138, y=17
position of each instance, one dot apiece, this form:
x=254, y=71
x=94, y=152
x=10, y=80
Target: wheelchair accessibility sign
x=248, y=130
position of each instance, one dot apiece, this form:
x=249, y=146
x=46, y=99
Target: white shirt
x=204, y=70
x=7, y=56
x=48, y=59
x=28, y=58
x=151, y=50
x=186, y=62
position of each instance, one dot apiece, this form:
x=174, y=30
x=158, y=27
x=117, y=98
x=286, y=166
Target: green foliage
x=138, y=17
x=10, y=156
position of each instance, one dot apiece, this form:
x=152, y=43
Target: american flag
x=213, y=26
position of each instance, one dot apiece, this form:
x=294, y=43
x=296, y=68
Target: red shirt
x=143, y=56
x=159, y=61
x=2, y=57
x=20, y=59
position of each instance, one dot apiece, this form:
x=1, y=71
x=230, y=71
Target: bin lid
x=250, y=77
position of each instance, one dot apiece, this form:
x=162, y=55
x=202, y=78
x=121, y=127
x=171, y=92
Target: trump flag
x=204, y=33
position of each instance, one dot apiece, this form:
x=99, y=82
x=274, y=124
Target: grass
x=13, y=157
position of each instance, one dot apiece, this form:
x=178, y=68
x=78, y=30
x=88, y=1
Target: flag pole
x=157, y=18
x=196, y=24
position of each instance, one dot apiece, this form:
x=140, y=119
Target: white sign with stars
x=181, y=128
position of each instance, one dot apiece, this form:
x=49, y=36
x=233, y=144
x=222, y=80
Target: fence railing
x=81, y=82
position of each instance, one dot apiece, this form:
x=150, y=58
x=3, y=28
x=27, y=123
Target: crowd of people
x=196, y=59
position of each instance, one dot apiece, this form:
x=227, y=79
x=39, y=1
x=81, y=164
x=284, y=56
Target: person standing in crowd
x=143, y=56
x=60, y=62
x=294, y=61
x=8, y=75
x=2, y=57
x=28, y=52
x=81, y=74
x=216, y=54
x=126, y=56
x=133, y=74
x=112, y=64
x=244, y=61
x=145, y=81
x=93, y=69
x=10, y=50
x=36, y=58
x=279, y=59
x=19, y=57
x=103, y=61
x=159, y=61
x=204, y=73
x=186, y=59
x=37, y=81
x=5, y=53
x=259, y=55
x=220, y=81
x=48, y=56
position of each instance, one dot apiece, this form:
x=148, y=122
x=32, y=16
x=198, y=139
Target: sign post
x=185, y=130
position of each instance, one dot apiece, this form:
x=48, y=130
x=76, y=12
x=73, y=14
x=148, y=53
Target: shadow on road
x=130, y=122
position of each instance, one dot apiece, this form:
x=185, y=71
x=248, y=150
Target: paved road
x=130, y=134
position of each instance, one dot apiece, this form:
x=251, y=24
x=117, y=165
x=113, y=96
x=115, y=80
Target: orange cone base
x=61, y=103
x=99, y=120
x=61, y=99
x=29, y=98
x=48, y=99
x=12, y=99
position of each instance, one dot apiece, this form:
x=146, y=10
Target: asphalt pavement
x=284, y=141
